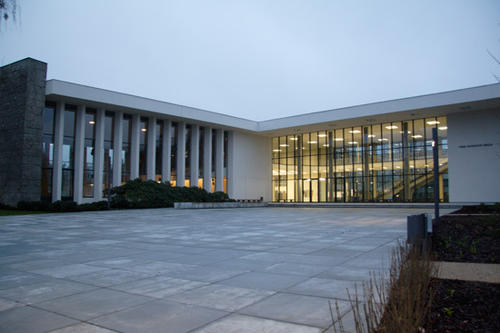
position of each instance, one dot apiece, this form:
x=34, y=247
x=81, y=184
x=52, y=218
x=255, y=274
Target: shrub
x=99, y=205
x=150, y=194
x=34, y=205
x=399, y=303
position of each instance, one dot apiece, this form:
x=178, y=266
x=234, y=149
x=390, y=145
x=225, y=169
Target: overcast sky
x=261, y=59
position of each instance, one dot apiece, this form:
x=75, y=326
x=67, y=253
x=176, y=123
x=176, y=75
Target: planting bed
x=464, y=306
x=467, y=239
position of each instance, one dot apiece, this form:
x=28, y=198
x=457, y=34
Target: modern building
x=66, y=141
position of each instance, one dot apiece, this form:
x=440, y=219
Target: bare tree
x=8, y=9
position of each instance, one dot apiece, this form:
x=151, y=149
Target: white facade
x=473, y=138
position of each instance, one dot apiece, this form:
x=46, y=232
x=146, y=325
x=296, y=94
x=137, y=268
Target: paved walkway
x=166, y=270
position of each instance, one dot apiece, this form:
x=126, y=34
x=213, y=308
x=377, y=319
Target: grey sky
x=261, y=59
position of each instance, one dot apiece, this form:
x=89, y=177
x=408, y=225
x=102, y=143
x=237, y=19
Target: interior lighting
x=359, y=169
x=371, y=135
x=322, y=179
x=433, y=122
x=91, y=122
x=391, y=127
x=417, y=136
x=339, y=139
x=353, y=142
x=284, y=145
x=276, y=150
x=312, y=142
x=443, y=128
x=322, y=135
x=355, y=131
x=383, y=139
x=143, y=129
x=293, y=138
x=326, y=145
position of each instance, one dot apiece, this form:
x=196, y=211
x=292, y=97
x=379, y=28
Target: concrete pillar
x=195, y=155
x=79, y=151
x=181, y=153
x=219, y=160
x=117, y=148
x=166, y=154
x=58, y=142
x=134, y=149
x=406, y=163
x=151, y=152
x=207, y=159
x=99, y=154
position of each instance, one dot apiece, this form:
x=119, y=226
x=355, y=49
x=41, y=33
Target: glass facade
x=143, y=148
x=68, y=153
x=88, y=154
x=108, y=152
x=126, y=147
x=387, y=162
x=159, y=150
x=48, y=123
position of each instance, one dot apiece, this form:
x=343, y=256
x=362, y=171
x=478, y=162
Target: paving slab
x=30, y=320
x=468, y=271
x=92, y=304
x=82, y=328
x=299, y=309
x=159, y=286
x=221, y=297
x=264, y=281
x=159, y=316
x=245, y=324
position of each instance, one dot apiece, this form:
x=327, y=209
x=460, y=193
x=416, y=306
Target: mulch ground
x=466, y=306
x=467, y=239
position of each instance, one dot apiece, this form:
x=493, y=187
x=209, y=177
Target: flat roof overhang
x=438, y=104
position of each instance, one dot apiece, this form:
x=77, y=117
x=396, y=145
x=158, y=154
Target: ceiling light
x=143, y=129
x=322, y=179
x=416, y=136
x=326, y=145
x=91, y=122
x=339, y=139
x=284, y=145
x=371, y=135
x=294, y=138
x=312, y=142
x=355, y=131
x=352, y=143
x=322, y=135
x=443, y=128
x=433, y=122
x=383, y=139
x=359, y=169
x=276, y=150
x=391, y=127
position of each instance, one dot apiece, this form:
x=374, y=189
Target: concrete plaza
x=167, y=270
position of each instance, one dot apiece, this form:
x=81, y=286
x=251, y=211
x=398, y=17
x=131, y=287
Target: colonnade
x=134, y=141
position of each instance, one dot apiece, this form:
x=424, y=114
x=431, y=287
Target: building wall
x=22, y=98
x=474, y=156
x=249, y=166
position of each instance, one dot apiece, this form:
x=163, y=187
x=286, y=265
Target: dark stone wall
x=22, y=100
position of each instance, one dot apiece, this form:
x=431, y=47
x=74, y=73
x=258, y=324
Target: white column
x=99, y=153
x=134, y=149
x=230, y=165
x=58, y=142
x=166, y=154
x=117, y=148
x=207, y=159
x=151, y=153
x=79, y=151
x=181, y=153
x=195, y=155
x=219, y=160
